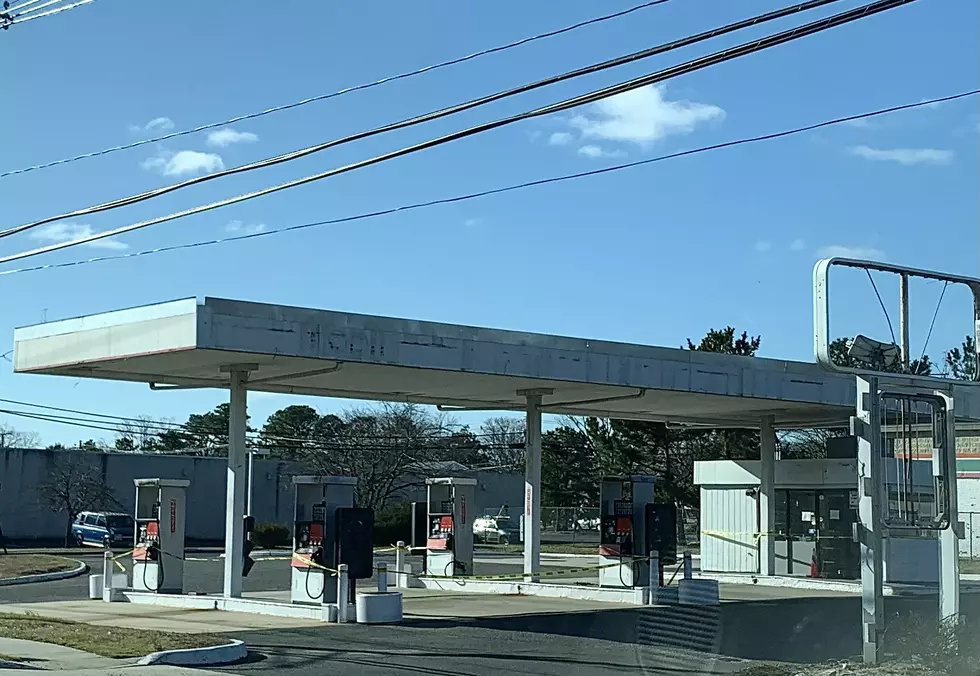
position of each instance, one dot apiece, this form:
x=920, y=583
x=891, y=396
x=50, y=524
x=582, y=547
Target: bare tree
x=383, y=446
x=140, y=434
x=74, y=483
x=11, y=438
x=503, y=443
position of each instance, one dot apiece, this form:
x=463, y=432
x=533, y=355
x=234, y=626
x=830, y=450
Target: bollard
x=383, y=578
x=400, y=581
x=107, y=576
x=688, y=566
x=343, y=593
x=654, y=580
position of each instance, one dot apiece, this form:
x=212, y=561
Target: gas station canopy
x=186, y=343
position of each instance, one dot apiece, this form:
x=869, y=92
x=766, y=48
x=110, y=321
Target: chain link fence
x=581, y=525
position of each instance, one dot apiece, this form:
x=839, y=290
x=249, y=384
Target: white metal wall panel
x=729, y=522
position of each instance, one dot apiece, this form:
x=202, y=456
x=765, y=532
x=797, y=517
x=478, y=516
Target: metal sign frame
x=866, y=426
x=941, y=462
x=821, y=315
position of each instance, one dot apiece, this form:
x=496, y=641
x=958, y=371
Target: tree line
x=390, y=446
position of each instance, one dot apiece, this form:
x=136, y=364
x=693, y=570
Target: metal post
x=949, y=544
x=903, y=320
x=343, y=591
x=767, y=502
x=532, y=485
x=401, y=580
x=235, y=498
x=107, y=576
x=866, y=426
x=654, y=582
x=688, y=566
x=251, y=481
x=382, y=577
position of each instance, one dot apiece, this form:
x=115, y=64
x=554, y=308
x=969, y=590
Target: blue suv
x=103, y=529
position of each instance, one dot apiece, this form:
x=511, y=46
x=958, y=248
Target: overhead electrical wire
x=167, y=426
x=684, y=68
x=340, y=92
x=30, y=16
x=504, y=189
x=434, y=115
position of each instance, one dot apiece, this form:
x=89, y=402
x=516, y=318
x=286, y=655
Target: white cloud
x=763, y=245
x=797, y=245
x=905, y=156
x=472, y=222
x=225, y=137
x=839, y=250
x=595, y=151
x=240, y=228
x=859, y=123
x=183, y=163
x=560, y=138
x=157, y=124
x=66, y=232
x=643, y=116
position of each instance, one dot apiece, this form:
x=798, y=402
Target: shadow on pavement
x=805, y=629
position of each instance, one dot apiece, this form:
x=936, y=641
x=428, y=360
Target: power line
x=341, y=92
x=19, y=18
x=688, y=67
x=497, y=191
x=124, y=424
x=434, y=115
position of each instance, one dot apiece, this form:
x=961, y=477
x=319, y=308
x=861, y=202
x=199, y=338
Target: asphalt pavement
x=755, y=622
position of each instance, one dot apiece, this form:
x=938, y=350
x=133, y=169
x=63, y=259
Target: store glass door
x=838, y=555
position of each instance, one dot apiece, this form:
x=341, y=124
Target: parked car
x=103, y=529
x=494, y=530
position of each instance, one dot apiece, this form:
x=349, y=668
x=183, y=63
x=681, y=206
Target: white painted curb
x=263, y=553
x=46, y=577
x=215, y=655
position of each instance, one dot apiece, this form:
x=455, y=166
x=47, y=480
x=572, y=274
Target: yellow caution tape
x=755, y=535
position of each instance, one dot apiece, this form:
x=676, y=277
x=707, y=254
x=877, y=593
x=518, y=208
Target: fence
x=581, y=525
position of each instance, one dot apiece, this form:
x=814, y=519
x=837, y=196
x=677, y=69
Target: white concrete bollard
x=378, y=608
x=401, y=580
x=95, y=589
x=688, y=566
x=654, y=581
x=343, y=591
x=383, y=578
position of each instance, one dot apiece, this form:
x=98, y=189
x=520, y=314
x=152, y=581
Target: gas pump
x=623, y=534
x=158, y=550
x=318, y=499
x=449, y=541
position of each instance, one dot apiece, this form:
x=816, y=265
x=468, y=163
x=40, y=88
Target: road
x=203, y=573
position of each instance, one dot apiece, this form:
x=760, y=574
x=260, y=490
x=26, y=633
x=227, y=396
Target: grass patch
x=970, y=565
x=18, y=565
x=117, y=642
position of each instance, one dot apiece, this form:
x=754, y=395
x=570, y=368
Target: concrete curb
x=264, y=553
x=192, y=657
x=46, y=577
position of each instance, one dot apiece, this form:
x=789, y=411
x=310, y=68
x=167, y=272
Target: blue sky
x=650, y=255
